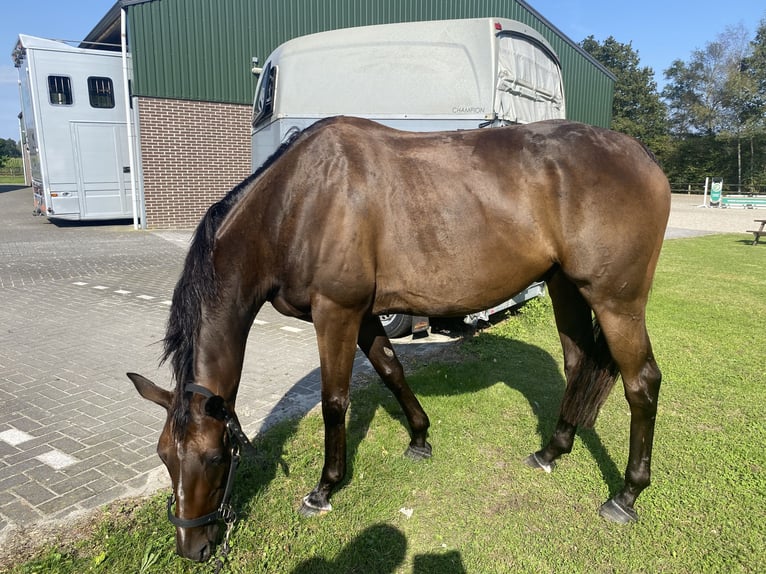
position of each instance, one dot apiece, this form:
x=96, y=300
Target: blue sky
x=661, y=31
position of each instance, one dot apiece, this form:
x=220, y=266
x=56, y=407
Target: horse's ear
x=215, y=408
x=150, y=391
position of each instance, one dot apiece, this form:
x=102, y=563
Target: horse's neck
x=223, y=336
x=244, y=281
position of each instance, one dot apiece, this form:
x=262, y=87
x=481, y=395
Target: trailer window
x=264, y=97
x=60, y=90
x=101, y=92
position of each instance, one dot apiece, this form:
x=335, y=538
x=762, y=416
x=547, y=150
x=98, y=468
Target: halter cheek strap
x=237, y=438
x=224, y=512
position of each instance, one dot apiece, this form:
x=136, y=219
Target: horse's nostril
x=201, y=554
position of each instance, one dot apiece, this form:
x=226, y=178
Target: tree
x=684, y=98
x=753, y=69
x=712, y=93
x=696, y=90
x=637, y=109
x=9, y=148
x=721, y=93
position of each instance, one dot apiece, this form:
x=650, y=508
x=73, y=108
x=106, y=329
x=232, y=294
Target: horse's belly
x=450, y=294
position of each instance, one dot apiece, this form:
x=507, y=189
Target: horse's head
x=201, y=462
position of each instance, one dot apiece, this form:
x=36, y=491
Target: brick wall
x=192, y=153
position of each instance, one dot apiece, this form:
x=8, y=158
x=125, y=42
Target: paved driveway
x=79, y=306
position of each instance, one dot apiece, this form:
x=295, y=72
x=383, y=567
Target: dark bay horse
x=350, y=220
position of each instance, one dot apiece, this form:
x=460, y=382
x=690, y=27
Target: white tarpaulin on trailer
x=528, y=82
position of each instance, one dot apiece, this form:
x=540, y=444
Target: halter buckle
x=227, y=514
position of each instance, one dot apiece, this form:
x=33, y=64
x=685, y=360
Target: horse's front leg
x=336, y=329
x=377, y=347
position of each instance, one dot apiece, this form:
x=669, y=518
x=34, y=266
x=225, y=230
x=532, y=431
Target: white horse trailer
x=74, y=126
x=417, y=76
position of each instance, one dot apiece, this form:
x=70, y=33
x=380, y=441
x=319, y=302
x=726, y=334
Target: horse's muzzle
x=197, y=544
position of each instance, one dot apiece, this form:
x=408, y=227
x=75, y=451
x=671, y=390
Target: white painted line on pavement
x=57, y=459
x=15, y=437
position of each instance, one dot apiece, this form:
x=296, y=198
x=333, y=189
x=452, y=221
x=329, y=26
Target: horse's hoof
x=312, y=508
x=613, y=511
x=534, y=461
x=418, y=452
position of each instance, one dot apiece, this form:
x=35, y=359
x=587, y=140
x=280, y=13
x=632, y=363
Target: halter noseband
x=238, y=439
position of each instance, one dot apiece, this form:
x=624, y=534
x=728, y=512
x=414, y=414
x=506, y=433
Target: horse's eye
x=215, y=459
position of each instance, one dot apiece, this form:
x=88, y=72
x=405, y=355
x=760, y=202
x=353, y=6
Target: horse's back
x=543, y=167
x=472, y=217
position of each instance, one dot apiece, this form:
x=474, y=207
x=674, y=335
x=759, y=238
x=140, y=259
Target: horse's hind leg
x=625, y=330
x=377, y=347
x=589, y=375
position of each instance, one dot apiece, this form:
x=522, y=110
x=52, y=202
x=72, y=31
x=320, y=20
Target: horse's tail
x=592, y=381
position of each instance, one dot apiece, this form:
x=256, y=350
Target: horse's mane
x=197, y=286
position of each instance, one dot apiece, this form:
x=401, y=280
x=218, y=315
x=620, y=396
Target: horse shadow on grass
x=389, y=547
x=525, y=368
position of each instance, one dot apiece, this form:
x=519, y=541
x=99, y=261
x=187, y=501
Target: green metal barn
x=192, y=86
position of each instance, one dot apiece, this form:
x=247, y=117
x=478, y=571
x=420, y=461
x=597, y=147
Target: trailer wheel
x=396, y=325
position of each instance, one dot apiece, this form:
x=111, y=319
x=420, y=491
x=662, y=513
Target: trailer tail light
x=498, y=26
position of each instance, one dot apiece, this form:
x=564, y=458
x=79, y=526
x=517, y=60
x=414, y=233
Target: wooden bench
x=748, y=201
x=761, y=231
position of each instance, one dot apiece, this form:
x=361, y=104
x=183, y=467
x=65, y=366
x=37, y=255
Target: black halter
x=238, y=439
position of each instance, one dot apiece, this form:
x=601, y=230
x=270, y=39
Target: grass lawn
x=12, y=172
x=474, y=506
